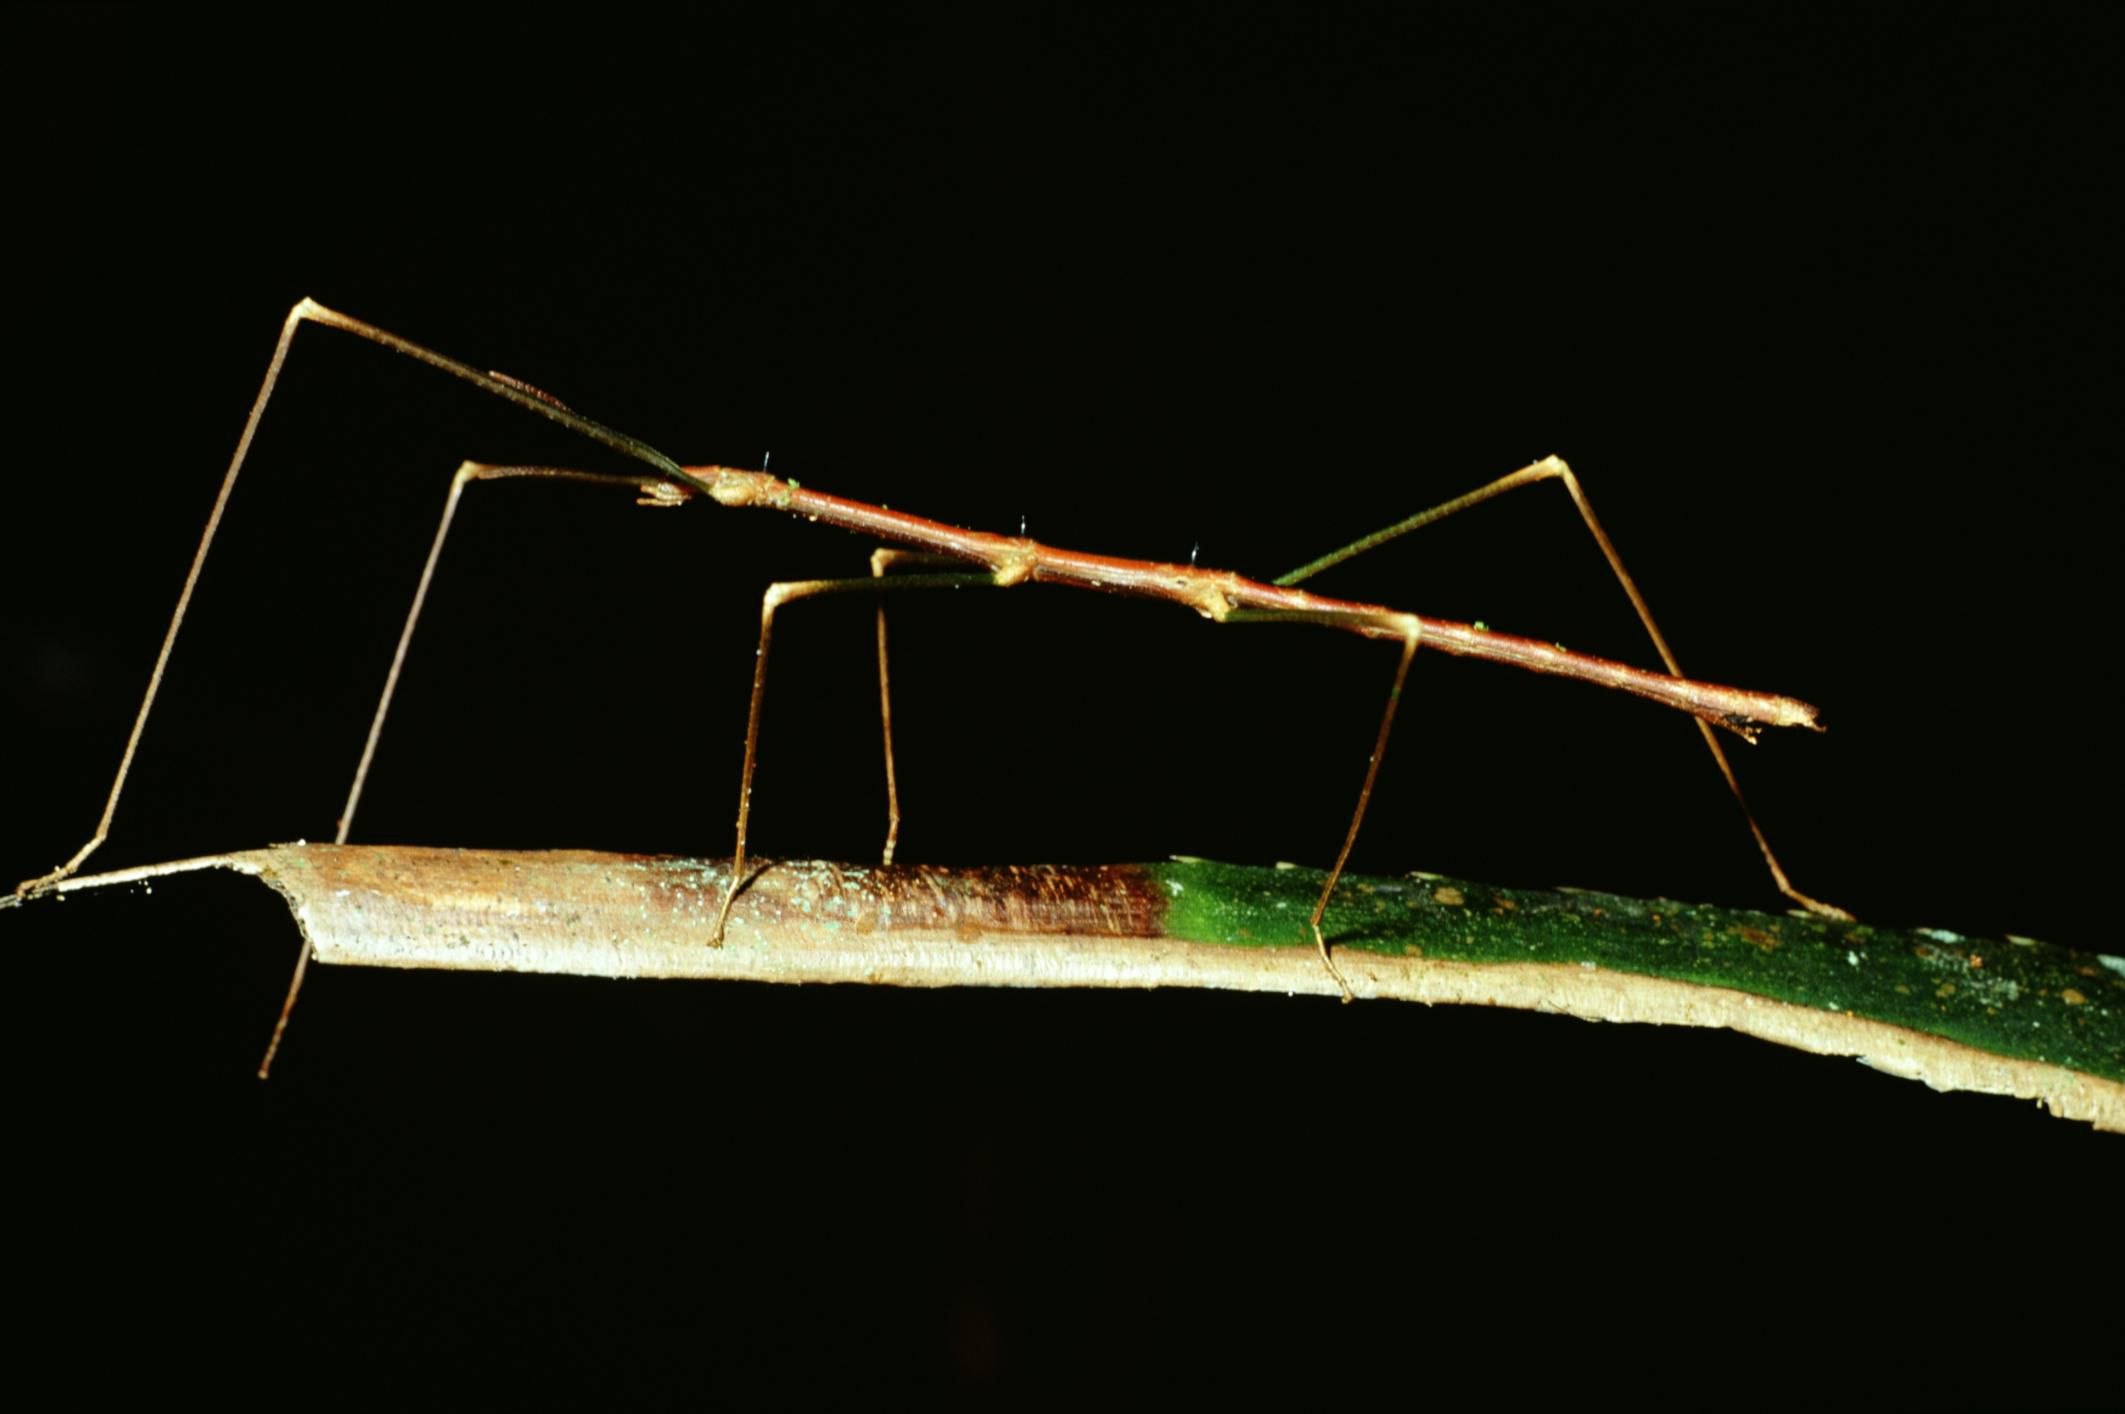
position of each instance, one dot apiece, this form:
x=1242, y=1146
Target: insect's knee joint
x=784, y=591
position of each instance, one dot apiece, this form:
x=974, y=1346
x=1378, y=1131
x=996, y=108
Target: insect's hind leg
x=1410, y=630
x=1555, y=469
x=789, y=592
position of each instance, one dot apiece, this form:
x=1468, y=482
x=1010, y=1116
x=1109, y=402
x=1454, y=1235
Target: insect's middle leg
x=777, y=595
x=1555, y=469
x=886, y=558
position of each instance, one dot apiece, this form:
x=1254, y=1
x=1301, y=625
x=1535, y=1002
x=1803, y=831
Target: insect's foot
x=730, y=896
x=1817, y=907
x=1328, y=962
x=29, y=888
x=739, y=882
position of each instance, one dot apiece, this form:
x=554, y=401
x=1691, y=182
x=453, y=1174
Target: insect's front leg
x=648, y=493
x=662, y=469
x=184, y=601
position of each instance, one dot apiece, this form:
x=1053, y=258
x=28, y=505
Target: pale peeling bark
x=1121, y=926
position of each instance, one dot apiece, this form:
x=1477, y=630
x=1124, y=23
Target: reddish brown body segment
x=1216, y=593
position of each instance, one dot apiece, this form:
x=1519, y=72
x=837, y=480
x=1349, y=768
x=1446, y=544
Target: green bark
x=2007, y=1016
x=2010, y=997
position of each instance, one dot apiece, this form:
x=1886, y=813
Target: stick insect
x=928, y=554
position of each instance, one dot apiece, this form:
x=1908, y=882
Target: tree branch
x=2011, y=1017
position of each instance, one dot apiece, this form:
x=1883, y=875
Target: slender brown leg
x=1411, y=630
x=501, y=386
x=184, y=600
x=777, y=595
x=883, y=559
x=654, y=493
x=1554, y=469
x=649, y=493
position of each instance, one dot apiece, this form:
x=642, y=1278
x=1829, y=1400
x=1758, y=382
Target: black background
x=1813, y=300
